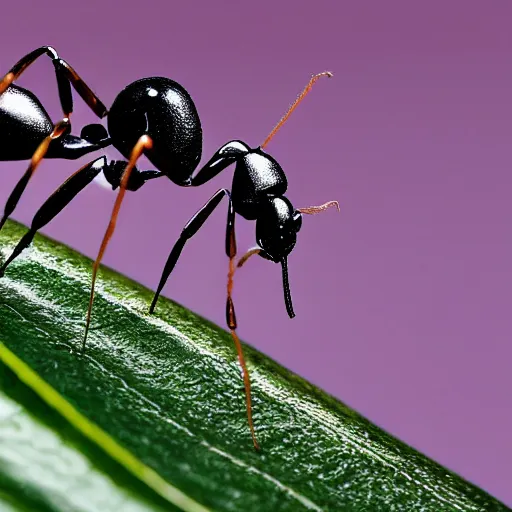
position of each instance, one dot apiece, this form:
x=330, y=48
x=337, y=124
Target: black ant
x=155, y=117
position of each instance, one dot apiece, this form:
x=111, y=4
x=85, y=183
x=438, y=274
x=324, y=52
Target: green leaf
x=46, y=464
x=161, y=399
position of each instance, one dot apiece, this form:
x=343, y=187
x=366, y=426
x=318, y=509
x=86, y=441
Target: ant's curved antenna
x=294, y=105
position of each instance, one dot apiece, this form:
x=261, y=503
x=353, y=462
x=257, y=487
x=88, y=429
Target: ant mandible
x=155, y=117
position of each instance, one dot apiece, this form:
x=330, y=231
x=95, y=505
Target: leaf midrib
x=96, y=434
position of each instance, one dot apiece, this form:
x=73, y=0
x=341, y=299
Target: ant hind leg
x=56, y=203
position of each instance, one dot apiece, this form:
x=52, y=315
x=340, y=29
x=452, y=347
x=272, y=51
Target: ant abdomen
x=24, y=122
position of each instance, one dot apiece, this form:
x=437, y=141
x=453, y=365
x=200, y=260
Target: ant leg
x=114, y=173
x=231, y=317
x=247, y=255
x=65, y=74
x=56, y=203
x=231, y=253
x=60, y=128
x=225, y=156
x=85, y=92
x=190, y=229
x=143, y=143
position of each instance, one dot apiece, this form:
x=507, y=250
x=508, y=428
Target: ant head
x=277, y=226
x=276, y=232
x=277, y=222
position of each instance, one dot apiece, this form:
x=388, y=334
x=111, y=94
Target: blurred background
x=403, y=300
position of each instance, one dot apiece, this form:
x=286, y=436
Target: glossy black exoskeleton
x=155, y=117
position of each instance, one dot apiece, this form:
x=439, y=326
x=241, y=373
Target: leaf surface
x=162, y=397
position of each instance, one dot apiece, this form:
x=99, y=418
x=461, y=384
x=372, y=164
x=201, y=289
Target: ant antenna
x=313, y=210
x=247, y=255
x=294, y=105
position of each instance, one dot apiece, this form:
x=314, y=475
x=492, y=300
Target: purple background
x=402, y=300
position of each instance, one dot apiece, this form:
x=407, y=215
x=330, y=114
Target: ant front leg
x=225, y=156
x=190, y=229
x=231, y=318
